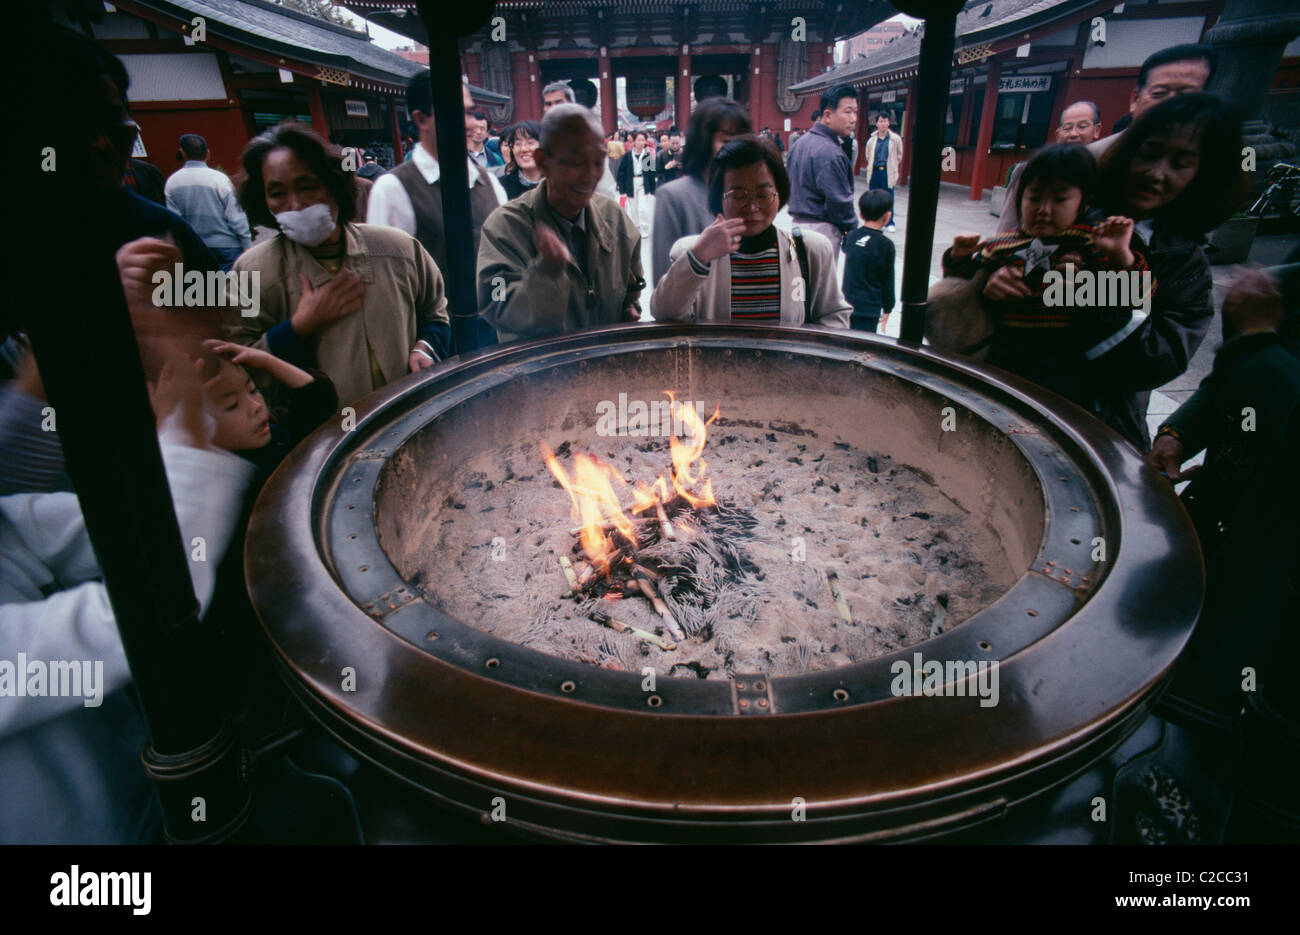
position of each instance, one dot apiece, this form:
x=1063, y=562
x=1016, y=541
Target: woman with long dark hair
x=682, y=206
x=363, y=303
x=1177, y=173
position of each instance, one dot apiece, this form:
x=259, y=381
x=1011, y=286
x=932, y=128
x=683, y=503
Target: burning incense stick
x=841, y=605
x=621, y=627
x=645, y=580
x=569, y=576
x=665, y=527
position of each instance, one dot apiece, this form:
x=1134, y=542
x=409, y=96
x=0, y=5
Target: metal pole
x=83, y=341
x=445, y=26
x=934, y=73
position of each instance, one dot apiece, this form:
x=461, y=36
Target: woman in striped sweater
x=742, y=268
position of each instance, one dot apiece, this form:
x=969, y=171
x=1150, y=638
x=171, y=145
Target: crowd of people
x=352, y=297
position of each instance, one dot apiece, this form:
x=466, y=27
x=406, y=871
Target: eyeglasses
x=522, y=143
x=738, y=198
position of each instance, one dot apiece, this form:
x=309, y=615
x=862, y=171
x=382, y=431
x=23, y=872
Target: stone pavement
x=957, y=214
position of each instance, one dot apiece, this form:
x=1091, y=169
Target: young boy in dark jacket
x=869, y=263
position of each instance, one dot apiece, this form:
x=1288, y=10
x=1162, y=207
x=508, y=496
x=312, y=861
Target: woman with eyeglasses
x=521, y=142
x=743, y=268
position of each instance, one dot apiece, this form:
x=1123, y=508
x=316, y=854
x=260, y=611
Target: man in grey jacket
x=821, y=176
x=206, y=199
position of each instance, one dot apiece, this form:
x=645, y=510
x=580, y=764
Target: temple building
x=670, y=52
x=228, y=69
x=1041, y=57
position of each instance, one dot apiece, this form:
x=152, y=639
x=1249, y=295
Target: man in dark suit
x=869, y=263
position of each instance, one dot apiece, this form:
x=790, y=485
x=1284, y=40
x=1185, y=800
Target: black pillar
x=934, y=73
x=75, y=316
x=445, y=25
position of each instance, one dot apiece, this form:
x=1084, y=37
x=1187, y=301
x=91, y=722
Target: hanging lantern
x=647, y=97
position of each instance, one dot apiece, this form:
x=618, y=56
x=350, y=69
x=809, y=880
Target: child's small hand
x=963, y=245
x=1068, y=259
x=279, y=370
x=1112, y=238
x=241, y=354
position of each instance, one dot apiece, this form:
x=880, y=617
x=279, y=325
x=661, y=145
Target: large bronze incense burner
x=348, y=567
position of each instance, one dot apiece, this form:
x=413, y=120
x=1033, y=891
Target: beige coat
x=894, y=160
x=403, y=290
x=521, y=300
x=685, y=295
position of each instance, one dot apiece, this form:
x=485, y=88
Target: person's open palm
x=1112, y=238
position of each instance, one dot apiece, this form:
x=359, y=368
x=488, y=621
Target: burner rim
x=311, y=475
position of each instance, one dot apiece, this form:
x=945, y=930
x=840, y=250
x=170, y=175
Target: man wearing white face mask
x=363, y=303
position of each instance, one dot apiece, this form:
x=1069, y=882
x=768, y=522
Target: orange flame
x=596, y=506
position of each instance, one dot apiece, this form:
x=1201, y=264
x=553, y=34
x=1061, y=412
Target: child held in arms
x=1066, y=314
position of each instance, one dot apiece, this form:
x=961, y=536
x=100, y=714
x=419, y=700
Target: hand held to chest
x=338, y=298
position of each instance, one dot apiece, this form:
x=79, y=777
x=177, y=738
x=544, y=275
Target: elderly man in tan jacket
x=561, y=257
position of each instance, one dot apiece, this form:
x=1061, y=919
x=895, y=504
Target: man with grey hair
x=559, y=92
x=1080, y=123
x=561, y=257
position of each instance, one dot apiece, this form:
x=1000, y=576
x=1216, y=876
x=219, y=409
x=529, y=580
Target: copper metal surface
x=581, y=753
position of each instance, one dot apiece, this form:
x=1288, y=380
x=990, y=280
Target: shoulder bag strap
x=801, y=251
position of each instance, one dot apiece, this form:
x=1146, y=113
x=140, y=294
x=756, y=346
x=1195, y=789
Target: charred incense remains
x=814, y=554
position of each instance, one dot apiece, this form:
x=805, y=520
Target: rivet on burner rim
x=744, y=702
x=840, y=695
x=762, y=702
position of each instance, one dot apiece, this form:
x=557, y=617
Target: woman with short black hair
x=363, y=303
x=518, y=144
x=742, y=267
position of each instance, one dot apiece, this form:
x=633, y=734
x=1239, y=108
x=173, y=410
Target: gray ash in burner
x=753, y=594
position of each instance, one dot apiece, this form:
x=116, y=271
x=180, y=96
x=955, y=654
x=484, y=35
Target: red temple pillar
x=395, y=130
x=682, y=105
x=533, y=107
x=967, y=112
x=317, y=109
x=909, y=121
x=608, y=96
x=987, y=116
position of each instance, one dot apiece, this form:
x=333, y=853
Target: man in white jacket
x=70, y=736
